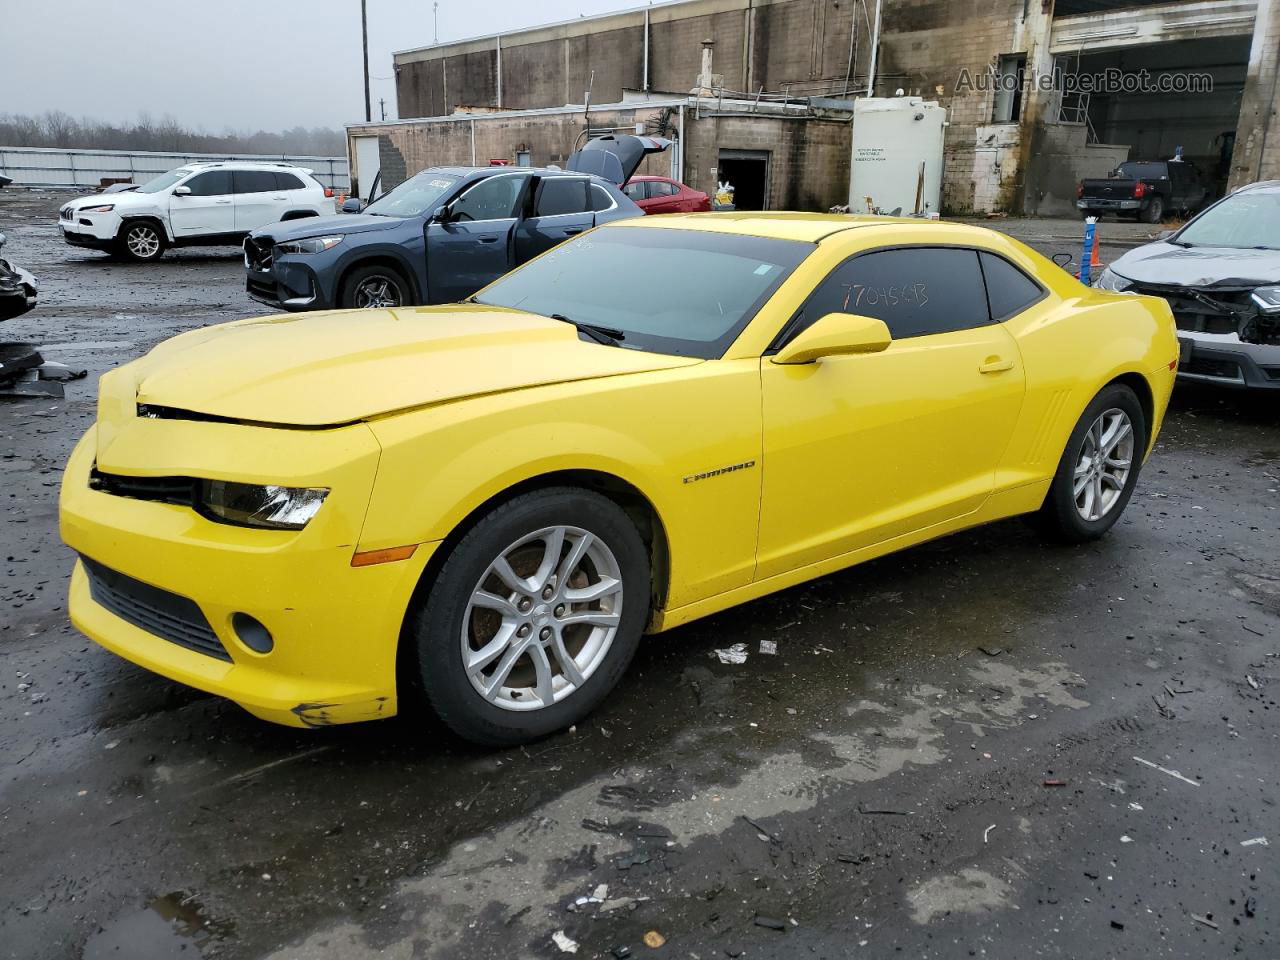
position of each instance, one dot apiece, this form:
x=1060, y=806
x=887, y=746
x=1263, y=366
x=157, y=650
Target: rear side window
x=1009, y=290
x=634, y=190
x=215, y=183
x=561, y=195
x=660, y=188
x=287, y=181
x=254, y=181
x=916, y=291
x=601, y=199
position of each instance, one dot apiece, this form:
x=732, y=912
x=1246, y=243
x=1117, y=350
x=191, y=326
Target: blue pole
x=1090, y=226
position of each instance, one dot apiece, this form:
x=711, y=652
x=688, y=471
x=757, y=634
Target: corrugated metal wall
x=44, y=167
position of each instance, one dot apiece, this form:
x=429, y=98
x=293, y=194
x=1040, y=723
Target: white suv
x=200, y=204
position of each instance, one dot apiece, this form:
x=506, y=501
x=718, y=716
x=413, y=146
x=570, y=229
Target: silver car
x=1220, y=274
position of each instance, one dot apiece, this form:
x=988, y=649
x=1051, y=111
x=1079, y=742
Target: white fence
x=51, y=167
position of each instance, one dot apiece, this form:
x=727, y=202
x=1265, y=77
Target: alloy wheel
x=1102, y=470
x=542, y=618
x=143, y=241
x=377, y=292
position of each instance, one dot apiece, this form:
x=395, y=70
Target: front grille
x=1198, y=316
x=1271, y=373
x=176, y=490
x=66, y=213
x=262, y=288
x=159, y=612
x=257, y=253
x=1208, y=367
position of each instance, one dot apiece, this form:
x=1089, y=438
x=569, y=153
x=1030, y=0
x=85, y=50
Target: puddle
x=172, y=926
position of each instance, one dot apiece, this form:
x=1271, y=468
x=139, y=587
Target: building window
x=1009, y=74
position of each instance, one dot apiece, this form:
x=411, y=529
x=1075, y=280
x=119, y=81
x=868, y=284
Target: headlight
x=314, y=245
x=1267, y=299
x=100, y=208
x=253, y=505
x=1112, y=282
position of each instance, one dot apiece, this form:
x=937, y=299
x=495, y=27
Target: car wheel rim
x=143, y=242
x=377, y=292
x=1102, y=469
x=542, y=618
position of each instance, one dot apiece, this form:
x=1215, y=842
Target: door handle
x=487, y=239
x=572, y=231
x=995, y=364
x=222, y=201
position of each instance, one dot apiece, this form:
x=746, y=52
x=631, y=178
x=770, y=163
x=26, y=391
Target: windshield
x=165, y=180
x=683, y=292
x=418, y=195
x=1249, y=220
x=1143, y=171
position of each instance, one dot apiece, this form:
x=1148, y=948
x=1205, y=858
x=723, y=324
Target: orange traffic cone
x=1093, y=254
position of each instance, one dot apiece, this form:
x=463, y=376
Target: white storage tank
x=897, y=155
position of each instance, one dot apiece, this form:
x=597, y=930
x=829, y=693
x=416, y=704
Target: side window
x=601, y=199
x=634, y=190
x=916, y=291
x=491, y=199
x=1009, y=290
x=254, y=181
x=561, y=195
x=660, y=188
x=215, y=183
x=287, y=181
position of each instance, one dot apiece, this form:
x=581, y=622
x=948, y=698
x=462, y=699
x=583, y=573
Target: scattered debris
x=1117, y=925
x=764, y=834
x=769, y=646
x=1252, y=682
x=992, y=651
x=565, y=944
x=1255, y=842
x=1173, y=773
x=867, y=811
x=1250, y=906
x=1054, y=783
x=1126, y=839
x=769, y=923
x=1207, y=921
x=622, y=952
x=734, y=654
x=654, y=939
x=987, y=832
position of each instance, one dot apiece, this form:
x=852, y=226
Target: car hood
x=122, y=201
x=344, y=223
x=1171, y=265
x=337, y=367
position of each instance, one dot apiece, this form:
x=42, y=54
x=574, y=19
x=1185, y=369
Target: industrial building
x=760, y=93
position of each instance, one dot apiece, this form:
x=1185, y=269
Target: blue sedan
x=442, y=234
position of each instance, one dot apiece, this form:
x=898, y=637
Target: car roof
x=807, y=227
x=651, y=177
x=249, y=164
x=1264, y=185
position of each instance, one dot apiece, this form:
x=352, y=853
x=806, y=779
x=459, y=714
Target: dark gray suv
x=442, y=234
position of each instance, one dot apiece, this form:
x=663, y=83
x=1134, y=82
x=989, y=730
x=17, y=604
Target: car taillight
x=328, y=192
x=1079, y=190
x=1139, y=189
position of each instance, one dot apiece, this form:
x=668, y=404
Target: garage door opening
x=1155, y=124
x=748, y=172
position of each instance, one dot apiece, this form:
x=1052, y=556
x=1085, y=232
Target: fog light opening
x=252, y=633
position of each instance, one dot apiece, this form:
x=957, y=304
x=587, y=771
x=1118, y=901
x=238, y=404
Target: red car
x=660, y=195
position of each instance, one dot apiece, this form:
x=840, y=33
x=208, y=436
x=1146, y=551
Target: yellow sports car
x=487, y=504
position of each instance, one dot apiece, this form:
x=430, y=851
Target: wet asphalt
x=985, y=746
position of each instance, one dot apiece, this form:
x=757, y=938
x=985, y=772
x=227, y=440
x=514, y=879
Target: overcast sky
x=238, y=64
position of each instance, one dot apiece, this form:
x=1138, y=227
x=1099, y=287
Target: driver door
x=861, y=449
x=474, y=246
x=207, y=209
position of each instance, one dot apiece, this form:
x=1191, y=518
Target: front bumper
x=1222, y=359
x=285, y=284
x=335, y=627
x=95, y=230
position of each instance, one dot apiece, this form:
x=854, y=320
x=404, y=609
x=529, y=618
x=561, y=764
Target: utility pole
x=364, y=38
x=875, y=50
x=382, y=105
x=435, y=22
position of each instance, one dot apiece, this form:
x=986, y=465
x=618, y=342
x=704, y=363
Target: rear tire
x=1089, y=492
x=525, y=629
x=141, y=241
x=374, y=286
x=1153, y=212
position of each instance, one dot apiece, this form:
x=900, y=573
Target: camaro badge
x=720, y=471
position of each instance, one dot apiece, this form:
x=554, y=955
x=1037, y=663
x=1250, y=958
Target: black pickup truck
x=1146, y=190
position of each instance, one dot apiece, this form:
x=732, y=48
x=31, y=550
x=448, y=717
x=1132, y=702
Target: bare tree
x=58, y=129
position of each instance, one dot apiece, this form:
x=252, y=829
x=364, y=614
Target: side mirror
x=183, y=191
x=836, y=334
x=443, y=215
x=352, y=205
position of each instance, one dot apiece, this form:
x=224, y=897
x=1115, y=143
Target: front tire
x=533, y=618
x=141, y=241
x=1098, y=469
x=374, y=286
